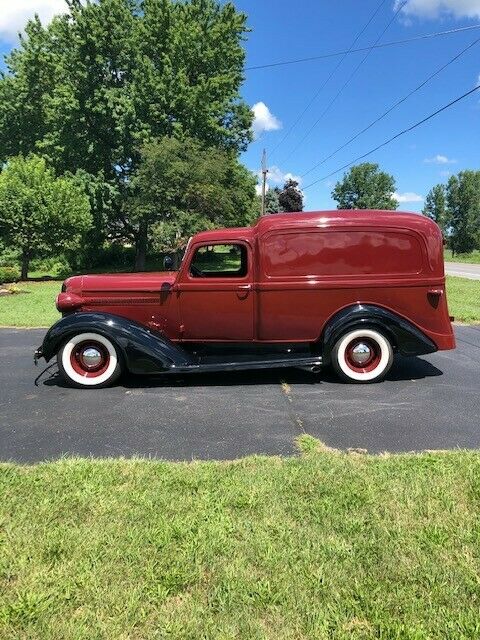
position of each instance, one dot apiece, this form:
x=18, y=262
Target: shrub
x=55, y=266
x=9, y=274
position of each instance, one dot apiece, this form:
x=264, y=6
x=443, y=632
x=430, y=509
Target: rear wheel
x=89, y=360
x=362, y=356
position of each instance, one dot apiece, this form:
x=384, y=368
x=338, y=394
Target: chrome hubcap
x=361, y=353
x=91, y=357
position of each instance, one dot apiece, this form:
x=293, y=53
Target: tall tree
x=463, y=201
x=272, y=202
x=365, y=187
x=39, y=213
x=87, y=91
x=182, y=187
x=290, y=197
x=436, y=206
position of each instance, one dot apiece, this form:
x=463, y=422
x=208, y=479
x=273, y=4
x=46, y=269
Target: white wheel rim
x=384, y=354
x=84, y=379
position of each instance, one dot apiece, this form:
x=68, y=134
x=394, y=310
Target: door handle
x=244, y=287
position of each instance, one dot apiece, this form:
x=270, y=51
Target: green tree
x=290, y=198
x=463, y=202
x=436, y=206
x=365, y=187
x=39, y=213
x=89, y=90
x=182, y=187
x=272, y=203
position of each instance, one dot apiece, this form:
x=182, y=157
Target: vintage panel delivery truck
x=346, y=288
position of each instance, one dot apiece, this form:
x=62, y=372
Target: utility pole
x=264, y=179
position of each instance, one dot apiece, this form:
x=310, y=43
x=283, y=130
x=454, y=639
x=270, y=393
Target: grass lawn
x=326, y=545
x=34, y=307
x=463, y=297
x=471, y=258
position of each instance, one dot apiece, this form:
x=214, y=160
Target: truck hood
x=106, y=282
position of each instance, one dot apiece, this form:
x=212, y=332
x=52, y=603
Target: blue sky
x=418, y=160
x=282, y=31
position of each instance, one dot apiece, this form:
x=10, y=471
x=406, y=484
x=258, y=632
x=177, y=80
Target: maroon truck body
x=285, y=281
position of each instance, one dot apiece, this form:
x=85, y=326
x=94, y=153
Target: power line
x=394, y=106
x=317, y=93
x=335, y=54
x=401, y=133
x=350, y=78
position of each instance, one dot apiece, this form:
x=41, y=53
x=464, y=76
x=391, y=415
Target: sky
x=304, y=112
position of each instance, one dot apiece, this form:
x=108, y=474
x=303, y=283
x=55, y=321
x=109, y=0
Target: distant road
x=471, y=271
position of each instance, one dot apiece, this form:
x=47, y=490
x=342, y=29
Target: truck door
x=216, y=294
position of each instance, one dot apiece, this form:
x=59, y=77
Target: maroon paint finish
x=302, y=269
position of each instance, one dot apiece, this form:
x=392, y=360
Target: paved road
x=471, y=271
x=426, y=403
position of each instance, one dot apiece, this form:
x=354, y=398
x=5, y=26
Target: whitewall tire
x=89, y=360
x=362, y=356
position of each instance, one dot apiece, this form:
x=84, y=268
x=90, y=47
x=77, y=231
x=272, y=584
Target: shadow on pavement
x=412, y=369
x=402, y=369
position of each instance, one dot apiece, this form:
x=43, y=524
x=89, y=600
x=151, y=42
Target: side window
x=220, y=261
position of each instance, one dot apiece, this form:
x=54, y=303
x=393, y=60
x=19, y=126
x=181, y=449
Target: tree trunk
x=141, y=247
x=25, y=264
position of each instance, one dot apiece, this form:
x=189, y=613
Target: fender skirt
x=143, y=350
x=404, y=336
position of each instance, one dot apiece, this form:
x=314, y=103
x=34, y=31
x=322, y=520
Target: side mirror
x=168, y=263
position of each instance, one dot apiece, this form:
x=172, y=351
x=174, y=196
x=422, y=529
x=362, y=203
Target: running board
x=312, y=361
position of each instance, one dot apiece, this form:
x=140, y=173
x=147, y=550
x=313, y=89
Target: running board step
x=311, y=361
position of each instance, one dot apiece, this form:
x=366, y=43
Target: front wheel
x=362, y=356
x=89, y=360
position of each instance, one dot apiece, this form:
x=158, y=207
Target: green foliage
x=182, y=187
x=365, y=187
x=435, y=206
x=9, y=274
x=324, y=545
x=90, y=89
x=272, y=203
x=463, y=202
x=9, y=256
x=38, y=212
x=290, y=198
x=468, y=258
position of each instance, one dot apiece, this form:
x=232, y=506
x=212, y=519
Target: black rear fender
x=143, y=350
x=404, y=336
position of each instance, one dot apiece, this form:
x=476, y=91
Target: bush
x=55, y=266
x=9, y=274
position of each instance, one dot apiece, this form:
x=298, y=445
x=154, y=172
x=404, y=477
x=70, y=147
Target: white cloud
x=408, y=196
x=445, y=173
x=264, y=120
x=436, y=8
x=277, y=177
x=14, y=14
x=440, y=159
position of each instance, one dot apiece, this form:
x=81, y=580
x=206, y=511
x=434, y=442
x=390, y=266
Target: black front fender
x=143, y=350
x=405, y=336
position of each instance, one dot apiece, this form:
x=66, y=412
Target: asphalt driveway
x=431, y=402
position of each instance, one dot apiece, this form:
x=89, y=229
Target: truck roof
x=333, y=218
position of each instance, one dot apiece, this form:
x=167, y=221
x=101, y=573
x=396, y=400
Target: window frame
x=214, y=278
